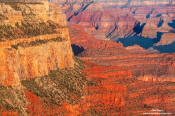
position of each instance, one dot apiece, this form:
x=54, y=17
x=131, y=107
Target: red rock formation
x=93, y=46
x=116, y=19
x=166, y=39
x=142, y=64
x=121, y=83
x=35, y=56
x=114, y=92
x=107, y=19
x=136, y=98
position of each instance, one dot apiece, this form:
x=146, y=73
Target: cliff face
x=117, y=23
x=41, y=45
x=122, y=20
x=139, y=61
x=87, y=45
x=31, y=11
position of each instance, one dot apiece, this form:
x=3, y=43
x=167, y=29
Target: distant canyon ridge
x=149, y=24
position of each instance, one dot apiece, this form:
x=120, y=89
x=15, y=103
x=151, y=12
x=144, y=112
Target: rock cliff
x=125, y=19
x=34, y=40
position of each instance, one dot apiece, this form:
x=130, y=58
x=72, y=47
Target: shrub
x=13, y=99
x=38, y=42
x=27, y=30
x=59, y=86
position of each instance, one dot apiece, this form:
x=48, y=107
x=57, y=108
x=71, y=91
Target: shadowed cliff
x=141, y=41
x=35, y=48
x=170, y=48
x=115, y=19
x=34, y=41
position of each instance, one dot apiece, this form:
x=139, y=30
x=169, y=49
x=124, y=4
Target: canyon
x=140, y=62
x=147, y=24
x=34, y=42
x=87, y=58
x=33, y=51
x=127, y=81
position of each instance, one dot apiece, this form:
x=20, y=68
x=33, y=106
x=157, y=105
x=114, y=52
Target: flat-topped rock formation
x=139, y=61
x=125, y=19
x=34, y=40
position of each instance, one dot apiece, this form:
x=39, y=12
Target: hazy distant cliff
x=146, y=23
x=34, y=39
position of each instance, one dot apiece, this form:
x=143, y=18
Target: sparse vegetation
x=3, y=17
x=27, y=12
x=13, y=99
x=27, y=30
x=15, y=6
x=38, y=42
x=60, y=85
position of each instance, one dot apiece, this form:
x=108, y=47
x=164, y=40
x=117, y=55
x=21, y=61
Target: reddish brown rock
x=166, y=39
x=136, y=59
x=35, y=56
x=116, y=19
x=115, y=92
x=92, y=46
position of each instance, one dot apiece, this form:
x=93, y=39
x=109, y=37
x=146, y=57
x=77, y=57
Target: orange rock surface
x=35, y=60
x=116, y=19
x=121, y=82
x=138, y=61
x=114, y=92
x=93, y=46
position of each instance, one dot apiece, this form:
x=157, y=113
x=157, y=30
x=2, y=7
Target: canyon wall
x=41, y=45
x=145, y=23
x=131, y=83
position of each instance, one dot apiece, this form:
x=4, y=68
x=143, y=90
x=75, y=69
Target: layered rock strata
x=136, y=21
x=35, y=51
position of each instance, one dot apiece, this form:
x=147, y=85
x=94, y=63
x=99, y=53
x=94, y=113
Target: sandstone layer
x=115, y=81
x=35, y=50
x=141, y=63
x=111, y=90
x=123, y=82
x=143, y=21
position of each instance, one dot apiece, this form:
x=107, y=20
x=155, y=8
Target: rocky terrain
x=147, y=24
x=31, y=47
x=140, y=62
x=36, y=58
x=114, y=57
x=125, y=81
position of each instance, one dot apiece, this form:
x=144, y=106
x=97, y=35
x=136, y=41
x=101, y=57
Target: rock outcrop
x=139, y=61
x=87, y=45
x=117, y=19
x=41, y=44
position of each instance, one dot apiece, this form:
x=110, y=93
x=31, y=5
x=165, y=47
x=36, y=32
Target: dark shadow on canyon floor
x=77, y=49
x=138, y=28
x=170, y=48
x=161, y=21
x=172, y=24
x=140, y=40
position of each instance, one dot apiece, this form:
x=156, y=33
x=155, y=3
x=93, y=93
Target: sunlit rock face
x=34, y=40
x=129, y=81
x=116, y=19
x=134, y=58
x=86, y=45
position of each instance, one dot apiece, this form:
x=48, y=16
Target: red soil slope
x=113, y=88
x=113, y=92
x=92, y=46
x=138, y=61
